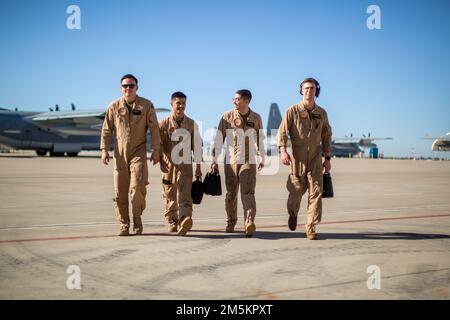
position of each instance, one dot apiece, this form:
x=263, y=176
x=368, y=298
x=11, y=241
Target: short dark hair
x=244, y=93
x=129, y=76
x=178, y=94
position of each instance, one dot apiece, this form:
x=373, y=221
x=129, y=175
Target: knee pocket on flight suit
x=137, y=176
x=231, y=183
x=121, y=188
x=169, y=189
x=169, y=195
x=120, y=201
x=294, y=183
x=248, y=182
x=121, y=182
x=185, y=189
x=184, y=180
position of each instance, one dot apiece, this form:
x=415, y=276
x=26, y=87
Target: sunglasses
x=131, y=86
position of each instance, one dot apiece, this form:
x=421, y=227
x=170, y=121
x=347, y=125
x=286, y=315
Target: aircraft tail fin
x=274, y=118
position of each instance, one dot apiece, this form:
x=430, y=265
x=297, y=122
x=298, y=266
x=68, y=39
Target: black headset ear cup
x=317, y=88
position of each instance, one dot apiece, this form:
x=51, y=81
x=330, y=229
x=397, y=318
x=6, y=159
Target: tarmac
x=384, y=235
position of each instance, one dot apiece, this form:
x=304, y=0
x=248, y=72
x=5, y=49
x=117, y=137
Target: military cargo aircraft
x=352, y=146
x=441, y=143
x=58, y=133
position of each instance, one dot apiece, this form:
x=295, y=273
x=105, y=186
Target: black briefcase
x=197, y=191
x=212, y=184
x=327, y=186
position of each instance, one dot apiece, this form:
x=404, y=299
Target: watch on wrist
x=328, y=158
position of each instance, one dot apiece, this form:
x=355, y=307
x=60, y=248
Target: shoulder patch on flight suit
x=237, y=122
x=316, y=116
x=251, y=124
x=303, y=114
x=122, y=111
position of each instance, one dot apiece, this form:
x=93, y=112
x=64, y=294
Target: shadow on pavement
x=268, y=235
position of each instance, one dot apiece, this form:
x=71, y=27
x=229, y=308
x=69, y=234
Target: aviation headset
x=315, y=82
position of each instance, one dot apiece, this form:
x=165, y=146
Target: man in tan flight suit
x=179, y=139
x=307, y=126
x=244, y=132
x=129, y=118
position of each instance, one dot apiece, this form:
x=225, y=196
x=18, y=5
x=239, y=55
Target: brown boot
x=137, y=225
x=311, y=234
x=250, y=229
x=185, y=226
x=229, y=228
x=124, y=231
x=173, y=224
x=292, y=222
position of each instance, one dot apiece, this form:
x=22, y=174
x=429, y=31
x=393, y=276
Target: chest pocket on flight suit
x=295, y=130
x=317, y=123
x=136, y=116
x=236, y=125
x=137, y=127
x=251, y=125
x=122, y=127
x=167, y=137
x=303, y=125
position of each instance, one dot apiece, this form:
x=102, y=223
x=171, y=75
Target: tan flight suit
x=310, y=135
x=177, y=182
x=130, y=125
x=240, y=161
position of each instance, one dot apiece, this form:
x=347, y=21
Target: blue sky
x=391, y=82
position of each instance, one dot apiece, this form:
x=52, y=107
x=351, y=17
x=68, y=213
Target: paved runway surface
x=391, y=216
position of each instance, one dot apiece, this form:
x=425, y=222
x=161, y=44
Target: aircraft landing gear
x=41, y=153
x=72, y=154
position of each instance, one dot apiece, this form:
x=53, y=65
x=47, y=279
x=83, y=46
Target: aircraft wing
x=58, y=115
x=366, y=142
x=445, y=137
x=373, y=139
x=78, y=123
x=346, y=140
x=357, y=139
